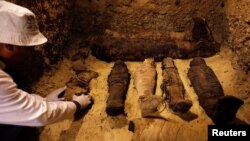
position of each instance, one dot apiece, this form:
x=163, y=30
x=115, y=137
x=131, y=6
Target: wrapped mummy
x=145, y=78
x=155, y=129
x=118, y=81
x=220, y=108
x=173, y=87
x=145, y=84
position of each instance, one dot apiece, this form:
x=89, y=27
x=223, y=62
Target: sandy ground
x=96, y=125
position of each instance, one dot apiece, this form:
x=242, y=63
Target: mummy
x=220, y=108
x=156, y=44
x=155, y=129
x=145, y=84
x=118, y=81
x=173, y=87
x=145, y=78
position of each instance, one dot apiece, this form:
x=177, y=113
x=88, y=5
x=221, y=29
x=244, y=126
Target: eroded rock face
x=55, y=19
x=134, y=16
x=239, y=33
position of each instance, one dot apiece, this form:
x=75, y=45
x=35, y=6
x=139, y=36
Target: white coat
x=18, y=107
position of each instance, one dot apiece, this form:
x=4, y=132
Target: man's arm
x=17, y=107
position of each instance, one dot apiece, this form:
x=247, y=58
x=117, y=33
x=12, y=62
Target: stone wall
x=229, y=20
x=55, y=18
x=133, y=16
x=239, y=32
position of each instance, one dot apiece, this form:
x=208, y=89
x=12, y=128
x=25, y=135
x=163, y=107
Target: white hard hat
x=18, y=26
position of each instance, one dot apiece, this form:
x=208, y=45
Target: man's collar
x=2, y=65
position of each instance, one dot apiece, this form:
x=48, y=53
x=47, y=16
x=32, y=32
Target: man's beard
x=27, y=71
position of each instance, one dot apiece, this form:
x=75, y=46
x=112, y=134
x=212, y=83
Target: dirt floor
x=96, y=125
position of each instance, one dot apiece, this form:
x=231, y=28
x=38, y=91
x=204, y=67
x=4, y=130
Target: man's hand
x=83, y=100
x=53, y=96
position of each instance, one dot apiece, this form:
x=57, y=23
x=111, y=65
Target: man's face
x=17, y=54
x=24, y=64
